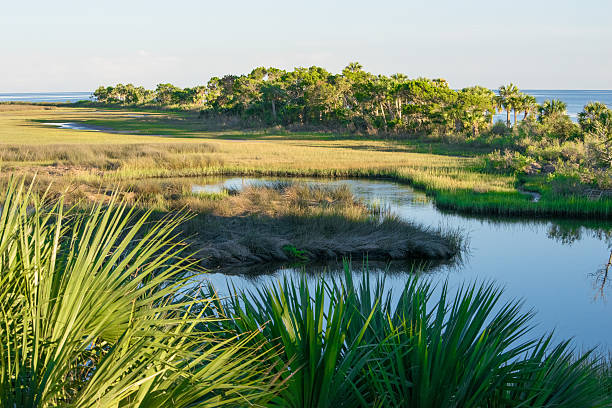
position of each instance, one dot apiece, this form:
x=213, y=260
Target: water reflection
x=569, y=232
x=337, y=267
x=554, y=265
x=601, y=280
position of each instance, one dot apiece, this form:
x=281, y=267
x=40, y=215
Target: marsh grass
x=113, y=156
x=92, y=159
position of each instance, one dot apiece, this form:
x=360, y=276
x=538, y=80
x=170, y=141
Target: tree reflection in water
x=601, y=279
x=568, y=232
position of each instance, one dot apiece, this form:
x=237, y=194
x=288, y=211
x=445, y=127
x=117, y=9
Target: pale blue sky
x=74, y=45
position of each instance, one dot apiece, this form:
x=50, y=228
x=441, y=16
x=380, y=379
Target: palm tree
x=496, y=107
x=551, y=108
x=506, y=95
x=591, y=114
x=516, y=101
x=529, y=105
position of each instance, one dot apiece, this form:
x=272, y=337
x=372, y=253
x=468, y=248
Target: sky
x=76, y=45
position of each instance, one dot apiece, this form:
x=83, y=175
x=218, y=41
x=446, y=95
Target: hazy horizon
x=71, y=46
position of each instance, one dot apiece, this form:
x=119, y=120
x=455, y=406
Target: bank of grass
x=93, y=317
x=96, y=158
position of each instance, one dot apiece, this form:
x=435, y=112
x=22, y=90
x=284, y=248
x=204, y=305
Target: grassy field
x=136, y=145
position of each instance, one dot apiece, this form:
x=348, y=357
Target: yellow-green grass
x=97, y=158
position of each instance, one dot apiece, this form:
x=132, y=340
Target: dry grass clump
x=277, y=222
x=288, y=199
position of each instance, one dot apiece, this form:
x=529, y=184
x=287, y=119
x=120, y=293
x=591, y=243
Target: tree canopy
x=357, y=100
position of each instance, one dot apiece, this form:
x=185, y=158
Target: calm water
x=555, y=266
x=45, y=96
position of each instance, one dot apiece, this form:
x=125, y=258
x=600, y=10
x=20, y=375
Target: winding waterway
x=556, y=266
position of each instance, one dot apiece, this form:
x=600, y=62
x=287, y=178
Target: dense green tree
x=550, y=109
x=555, y=121
x=102, y=93
x=508, y=98
x=598, y=127
x=475, y=108
x=590, y=115
x=429, y=104
x=123, y=94
x=358, y=100
x=528, y=105
x=166, y=94
x=272, y=93
x=517, y=102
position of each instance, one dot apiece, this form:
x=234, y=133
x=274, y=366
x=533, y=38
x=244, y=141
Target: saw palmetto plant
x=96, y=311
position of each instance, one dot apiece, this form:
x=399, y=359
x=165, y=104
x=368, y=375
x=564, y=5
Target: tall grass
x=458, y=190
x=113, y=156
x=96, y=312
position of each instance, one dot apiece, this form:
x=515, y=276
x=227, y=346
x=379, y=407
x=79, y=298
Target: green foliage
x=354, y=99
x=476, y=108
x=295, y=253
x=345, y=344
x=123, y=94
x=551, y=109
x=596, y=122
x=590, y=115
x=506, y=162
x=96, y=312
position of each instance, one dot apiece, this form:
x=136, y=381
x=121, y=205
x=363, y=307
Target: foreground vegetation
x=97, y=311
x=93, y=317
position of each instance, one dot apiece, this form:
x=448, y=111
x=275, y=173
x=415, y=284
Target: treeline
x=354, y=98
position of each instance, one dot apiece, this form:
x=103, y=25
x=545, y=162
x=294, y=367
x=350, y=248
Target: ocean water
x=45, y=96
x=575, y=99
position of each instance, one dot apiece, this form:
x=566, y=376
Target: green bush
x=96, y=312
